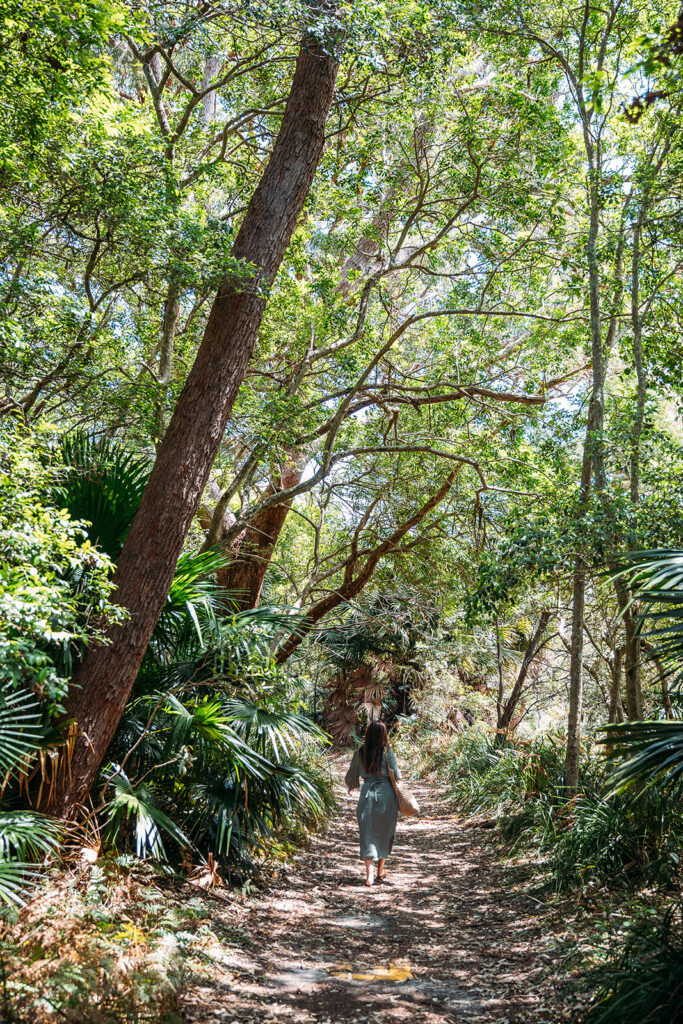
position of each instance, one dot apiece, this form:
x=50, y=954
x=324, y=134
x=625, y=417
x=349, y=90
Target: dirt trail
x=450, y=937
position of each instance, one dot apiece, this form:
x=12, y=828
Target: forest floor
x=452, y=936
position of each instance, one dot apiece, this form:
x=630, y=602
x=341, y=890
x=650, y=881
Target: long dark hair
x=374, y=745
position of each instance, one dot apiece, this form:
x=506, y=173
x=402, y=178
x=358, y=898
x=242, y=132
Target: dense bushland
x=587, y=839
x=340, y=377
x=214, y=753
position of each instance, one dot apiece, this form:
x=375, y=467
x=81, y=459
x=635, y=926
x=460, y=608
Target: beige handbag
x=407, y=804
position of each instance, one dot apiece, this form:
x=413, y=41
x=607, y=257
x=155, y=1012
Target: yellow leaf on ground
x=394, y=972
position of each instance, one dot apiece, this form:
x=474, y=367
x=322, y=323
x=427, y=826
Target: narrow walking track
x=450, y=937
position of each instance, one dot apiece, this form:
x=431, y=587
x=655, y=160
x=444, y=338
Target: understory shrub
x=105, y=944
x=484, y=775
x=214, y=755
x=615, y=841
x=620, y=839
x=642, y=980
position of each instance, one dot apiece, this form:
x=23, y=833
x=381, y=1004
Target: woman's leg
x=381, y=870
x=369, y=871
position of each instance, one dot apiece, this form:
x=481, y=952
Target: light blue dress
x=377, y=810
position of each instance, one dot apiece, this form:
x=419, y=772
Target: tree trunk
x=593, y=438
x=634, y=693
x=209, y=103
x=103, y=683
x=632, y=689
x=500, y=702
x=505, y=716
x=616, y=710
x=168, y=333
x=664, y=684
x=244, y=575
x=573, y=760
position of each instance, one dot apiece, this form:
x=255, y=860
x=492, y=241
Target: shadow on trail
x=446, y=921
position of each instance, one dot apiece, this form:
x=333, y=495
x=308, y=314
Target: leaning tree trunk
x=244, y=574
x=145, y=568
x=507, y=711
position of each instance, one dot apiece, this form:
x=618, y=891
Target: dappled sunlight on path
x=446, y=938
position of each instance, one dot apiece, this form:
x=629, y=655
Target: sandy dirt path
x=451, y=937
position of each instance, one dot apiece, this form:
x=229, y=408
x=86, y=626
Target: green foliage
x=25, y=836
x=485, y=775
x=593, y=841
x=651, y=754
x=643, y=979
x=585, y=840
x=449, y=214
x=139, y=806
x=51, y=58
x=222, y=771
x=383, y=625
x=21, y=728
x=541, y=546
x=193, y=603
x=656, y=578
x=100, y=483
x=212, y=752
x=216, y=738
x=54, y=584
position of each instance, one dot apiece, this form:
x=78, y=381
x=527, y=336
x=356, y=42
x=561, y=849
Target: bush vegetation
x=415, y=452
x=585, y=839
x=643, y=979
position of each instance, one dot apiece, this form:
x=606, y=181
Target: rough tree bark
x=145, y=569
x=351, y=584
x=254, y=548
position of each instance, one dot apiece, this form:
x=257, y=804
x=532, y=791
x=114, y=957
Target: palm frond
x=138, y=804
x=16, y=880
x=27, y=835
x=209, y=724
x=21, y=730
x=278, y=732
x=656, y=581
x=24, y=836
x=102, y=485
x=194, y=601
x=652, y=755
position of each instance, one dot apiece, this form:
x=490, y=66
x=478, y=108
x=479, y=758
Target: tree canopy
x=339, y=351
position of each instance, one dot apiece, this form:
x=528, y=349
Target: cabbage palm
x=25, y=836
x=101, y=484
x=212, y=743
x=208, y=751
x=220, y=771
x=652, y=752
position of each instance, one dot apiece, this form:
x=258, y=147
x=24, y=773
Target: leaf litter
x=453, y=937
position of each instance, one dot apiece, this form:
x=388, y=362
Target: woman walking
x=377, y=810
